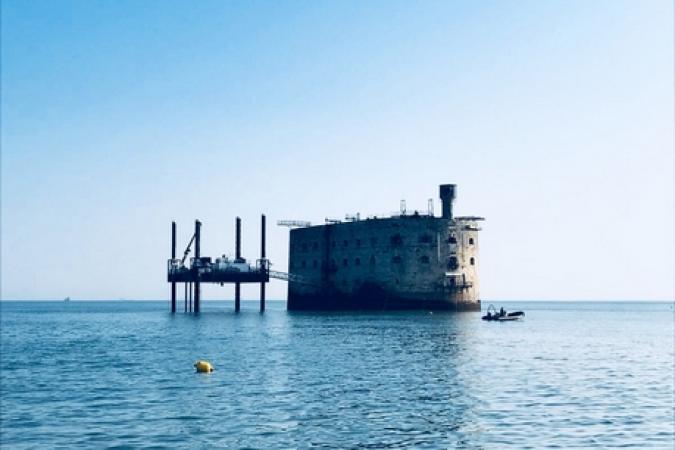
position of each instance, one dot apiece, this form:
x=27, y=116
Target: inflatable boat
x=502, y=315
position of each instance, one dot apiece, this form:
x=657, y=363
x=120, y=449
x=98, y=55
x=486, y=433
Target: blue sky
x=555, y=119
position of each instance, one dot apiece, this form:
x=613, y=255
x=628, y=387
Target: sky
x=554, y=118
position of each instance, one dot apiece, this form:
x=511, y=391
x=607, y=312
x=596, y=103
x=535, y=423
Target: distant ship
x=67, y=299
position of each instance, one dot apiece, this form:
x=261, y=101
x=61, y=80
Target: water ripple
x=119, y=375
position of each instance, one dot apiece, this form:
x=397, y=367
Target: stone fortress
x=406, y=261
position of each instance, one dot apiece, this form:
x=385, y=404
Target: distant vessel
x=67, y=299
x=502, y=315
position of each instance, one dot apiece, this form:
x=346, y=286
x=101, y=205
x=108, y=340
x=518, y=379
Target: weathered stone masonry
x=403, y=262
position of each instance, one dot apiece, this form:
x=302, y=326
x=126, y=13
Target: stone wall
x=399, y=262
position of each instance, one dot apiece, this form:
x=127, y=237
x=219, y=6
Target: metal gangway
x=291, y=278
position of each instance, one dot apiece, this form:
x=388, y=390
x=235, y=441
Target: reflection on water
x=102, y=374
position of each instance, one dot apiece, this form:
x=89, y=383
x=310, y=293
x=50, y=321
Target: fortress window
x=345, y=243
x=425, y=239
x=357, y=261
x=396, y=259
x=452, y=263
x=358, y=242
x=372, y=260
x=424, y=259
x=345, y=262
x=396, y=239
x=373, y=241
x=470, y=241
x=452, y=240
x=304, y=263
x=304, y=247
x=315, y=246
x=315, y=264
x=472, y=261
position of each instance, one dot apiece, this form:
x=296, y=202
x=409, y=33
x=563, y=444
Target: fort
x=406, y=261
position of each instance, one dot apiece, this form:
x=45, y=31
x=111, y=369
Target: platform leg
x=262, y=297
x=262, y=260
x=173, y=256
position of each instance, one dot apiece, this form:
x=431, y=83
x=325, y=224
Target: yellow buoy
x=203, y=366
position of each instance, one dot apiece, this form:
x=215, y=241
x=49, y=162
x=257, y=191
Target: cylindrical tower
x=447, y=194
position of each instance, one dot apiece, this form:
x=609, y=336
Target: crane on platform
x=187, y=250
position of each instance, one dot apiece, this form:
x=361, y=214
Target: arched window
x=345, y=262
x=304, y=263
x=396, y=259
x=472, y=261
x=424, y=259
x=315, y=264
x=345, y=243
x=315, y=246
x=470, y=241
x=357, y=261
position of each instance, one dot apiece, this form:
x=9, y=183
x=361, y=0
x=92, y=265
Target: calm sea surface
x=119, y=374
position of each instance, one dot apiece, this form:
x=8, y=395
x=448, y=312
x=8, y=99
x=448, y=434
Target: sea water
x=120, y=374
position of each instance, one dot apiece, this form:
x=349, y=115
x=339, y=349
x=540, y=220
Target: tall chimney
x=447, y=194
